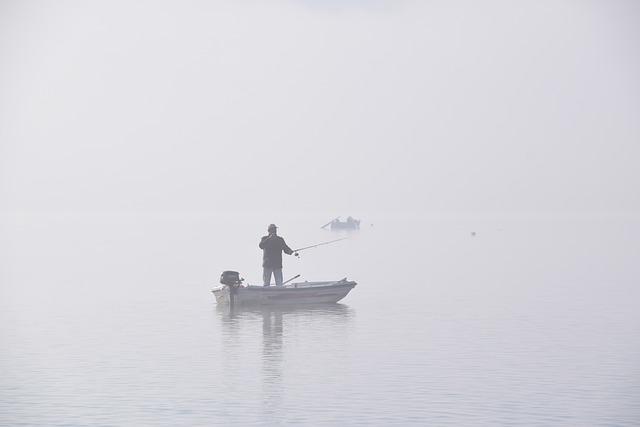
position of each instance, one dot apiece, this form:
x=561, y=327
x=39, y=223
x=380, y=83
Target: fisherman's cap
x=272, y=227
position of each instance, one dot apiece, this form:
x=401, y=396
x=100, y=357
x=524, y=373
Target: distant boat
x=349, y=224
x=292, y=293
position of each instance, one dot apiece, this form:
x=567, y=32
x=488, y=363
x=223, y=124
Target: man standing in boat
x=272, y=247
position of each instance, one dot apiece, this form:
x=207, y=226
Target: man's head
x=272, y=229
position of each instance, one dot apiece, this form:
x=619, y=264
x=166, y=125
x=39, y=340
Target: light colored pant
x=266, y=276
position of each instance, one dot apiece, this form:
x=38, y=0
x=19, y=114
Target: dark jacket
x=272, y=251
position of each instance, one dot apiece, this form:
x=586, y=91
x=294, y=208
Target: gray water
x=109, y=320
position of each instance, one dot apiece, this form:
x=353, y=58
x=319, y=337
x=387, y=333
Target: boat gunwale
x=337, y=285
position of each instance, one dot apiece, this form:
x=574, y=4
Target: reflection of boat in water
x=293, y=293
x=330, y=313
x=259, y=347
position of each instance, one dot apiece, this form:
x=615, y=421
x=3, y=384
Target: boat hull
x=345, y=225
x=296, y=293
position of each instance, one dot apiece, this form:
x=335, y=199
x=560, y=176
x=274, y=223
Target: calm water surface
x=109, y=320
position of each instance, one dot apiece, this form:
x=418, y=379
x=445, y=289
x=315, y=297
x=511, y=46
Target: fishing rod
x=316, y=245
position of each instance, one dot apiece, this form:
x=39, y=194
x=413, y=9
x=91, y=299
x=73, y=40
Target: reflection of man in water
x=272, y=247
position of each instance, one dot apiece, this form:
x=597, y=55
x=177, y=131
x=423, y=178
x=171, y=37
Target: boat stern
x=221, y=293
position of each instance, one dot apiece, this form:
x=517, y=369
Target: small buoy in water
x=473, y=233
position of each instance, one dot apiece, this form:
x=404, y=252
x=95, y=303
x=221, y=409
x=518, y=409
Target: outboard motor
x=230, y=278
x=233, y=281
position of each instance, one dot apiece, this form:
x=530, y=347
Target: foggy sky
x=434, y=106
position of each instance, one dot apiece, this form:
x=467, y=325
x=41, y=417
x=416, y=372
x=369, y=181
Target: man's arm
x=261, y=244
x=286, y=249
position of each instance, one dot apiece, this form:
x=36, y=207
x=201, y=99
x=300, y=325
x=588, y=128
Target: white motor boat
x=234, y=292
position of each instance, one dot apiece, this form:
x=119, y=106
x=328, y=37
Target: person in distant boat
x=272, y=247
